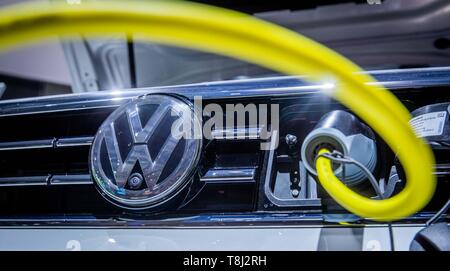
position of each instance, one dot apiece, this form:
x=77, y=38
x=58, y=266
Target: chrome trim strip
x=260, y=220
x=225, y=175
x=197, y=221
x=237, y=133
x=70, y=179
x=74, y=141
x=24, y=145
x=257, y=87
x=47, y=143
x=23, y=181
x=442, y=169
x=75, y=179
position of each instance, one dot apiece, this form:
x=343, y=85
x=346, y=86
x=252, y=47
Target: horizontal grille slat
x=227, y=175
x=74, y=141
x=29, y=144
x=46, y=143
x=72, y=179
x=23, y=181
x=48, y=149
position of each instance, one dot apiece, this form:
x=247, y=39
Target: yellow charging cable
x=244, y=37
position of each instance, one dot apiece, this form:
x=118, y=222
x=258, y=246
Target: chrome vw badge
x=145, y=152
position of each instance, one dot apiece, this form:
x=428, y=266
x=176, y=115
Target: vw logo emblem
x=136, y=159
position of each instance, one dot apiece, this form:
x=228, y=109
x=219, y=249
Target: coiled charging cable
x=233, y=34
x=338, y=157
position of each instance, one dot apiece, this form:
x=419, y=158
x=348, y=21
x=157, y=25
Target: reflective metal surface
x=136, y=159
x=74, y=141
x=74, y=179
x=22, y=145
x=237, y=133
x=219, y=175
x=47, y=143
x=273, y=86
x=23, y=181
x=68, y=179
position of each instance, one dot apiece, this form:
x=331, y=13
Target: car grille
x=45, y=144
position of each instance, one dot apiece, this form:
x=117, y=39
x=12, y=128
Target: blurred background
x=375, y=34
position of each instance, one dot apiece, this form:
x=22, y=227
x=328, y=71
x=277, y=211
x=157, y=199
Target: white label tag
x=430, y=124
